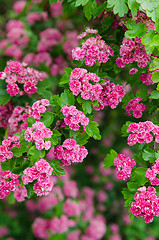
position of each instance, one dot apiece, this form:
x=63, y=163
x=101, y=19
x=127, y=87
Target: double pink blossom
x=135, y=106
x=6, y=147
x=142, y=132
x=123, y=166
x=88, y=86
x=132, y=50
x=152, y=173
x=74, y=117
x=146, y=204
x=41, y=172
x=69, y=152
x=93, y=49
x=17, y=73
x=38, y=133
x=8, y=182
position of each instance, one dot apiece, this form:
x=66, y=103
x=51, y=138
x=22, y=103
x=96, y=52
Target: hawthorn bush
x=79, y=86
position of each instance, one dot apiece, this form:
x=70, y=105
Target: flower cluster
x=111, y=95
x=17, y=39
x=70, y=43
x=8, y=182
x=5, y=113
x=69, y=152
x=86, y=84
x=75, y=203
x=93, y=49
x=74, y=117
x=123, y=166
x=20, y=193
x=146, y=78
x=61, y=225
x=146, y=204
x=37, y=108
x=152, y=173
x=48, y=38
x=19, y=6
x=132, y=50
x=58, y=67
x=41, y=172
x=136, y=107
x=55, y=225
x=15, y=73
x=33, y=17
x=17, y=121
x=37, y=133
x=6, y=147
x=71, y=208
x=141, y=132
x=132, y=71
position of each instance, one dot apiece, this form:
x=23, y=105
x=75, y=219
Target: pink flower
x=12, y=89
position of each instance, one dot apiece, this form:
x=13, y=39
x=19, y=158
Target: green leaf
x=129, y=196
x=136, y=29
x=30, y=121
x=126, y=99
x=134, y=6
x=16, y=152
x=73, y=134
x=29, y=188
x=55, y=137
x=81, y=139
x=149, y=155
x=57, y=170
x=138, y=176
x=88, y=9
x=80, y=2
x=143, y=94
x=55, y=101
x=138, y=158
x=53, y=1
x=58, y=236
x=154, y=64
x=157, y=154
x=99, y=9
x=8, y=165
x=107, y=22
x=119, y=6
x=147, y=41
x=87, y=107
x=23, y=145
x=155, y=77
x=157, y=25
x=45, y=93
x=11, y=198
x=154, y=95
x=47, y=118
x=132, y=186
x=66, y=77
x=131, y=216
x=54, y=140
x=149, y=5
x=124, y=129
x=140, y=170
x=4, y=96
x=18, y=168
x=66, y=98
x=109, y=159
x=36, y=154
x=92, y=130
